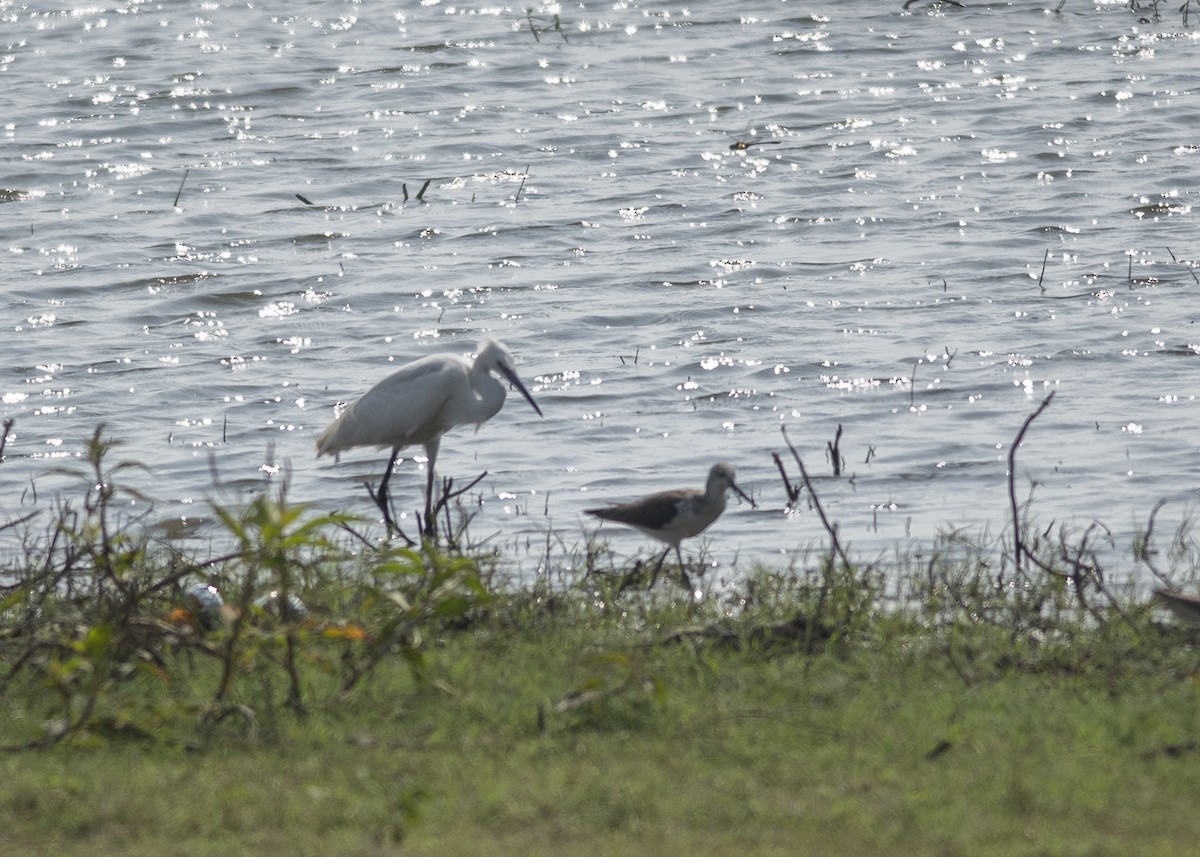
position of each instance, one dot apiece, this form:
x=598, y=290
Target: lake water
x=212, y=234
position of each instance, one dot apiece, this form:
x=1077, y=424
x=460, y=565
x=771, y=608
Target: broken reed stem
x=793, y=491
x=448, y=495
x=559, y=29
x=1083, y=571
x=389, y=516
x=1143, y=552
x=1018, y=545
x=4, y=430
x=835, y=452
x=341, y=525
x=1188, y=267
x=448, y=492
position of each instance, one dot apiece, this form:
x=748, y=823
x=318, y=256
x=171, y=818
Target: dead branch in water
x=834, y=449
x=830, y=528
x=1019, y=548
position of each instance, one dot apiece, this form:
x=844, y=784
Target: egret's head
x=494, y=356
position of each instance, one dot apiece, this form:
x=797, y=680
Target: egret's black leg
x=431, y=451
x=430, y=529
x=381, y=499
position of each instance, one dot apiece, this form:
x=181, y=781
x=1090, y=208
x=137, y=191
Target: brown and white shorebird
x=1184, y=605
x=672, y=516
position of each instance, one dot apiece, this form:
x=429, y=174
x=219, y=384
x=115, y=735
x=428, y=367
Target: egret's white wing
x=404, y=408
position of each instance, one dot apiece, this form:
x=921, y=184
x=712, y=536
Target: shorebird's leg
x=683, y=575
x=658, y=568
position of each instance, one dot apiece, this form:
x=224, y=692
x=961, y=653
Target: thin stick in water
x=522, y=187
x=175, y=204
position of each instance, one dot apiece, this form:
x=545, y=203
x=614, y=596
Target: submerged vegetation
x=314, y=690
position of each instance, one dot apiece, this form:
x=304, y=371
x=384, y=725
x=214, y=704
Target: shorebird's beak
x=743, y=495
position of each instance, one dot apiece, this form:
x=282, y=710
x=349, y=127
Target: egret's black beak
x=516, y=382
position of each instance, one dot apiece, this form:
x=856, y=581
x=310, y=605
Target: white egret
x=672, y=516
x=420, y=402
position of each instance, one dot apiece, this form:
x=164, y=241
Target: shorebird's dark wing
x=654, y=512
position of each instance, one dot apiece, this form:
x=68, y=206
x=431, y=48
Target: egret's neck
x=491, y=395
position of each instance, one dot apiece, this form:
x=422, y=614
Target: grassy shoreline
x=354, y=697
x=876, y=742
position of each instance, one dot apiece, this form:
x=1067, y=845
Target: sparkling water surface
x=213, y=232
